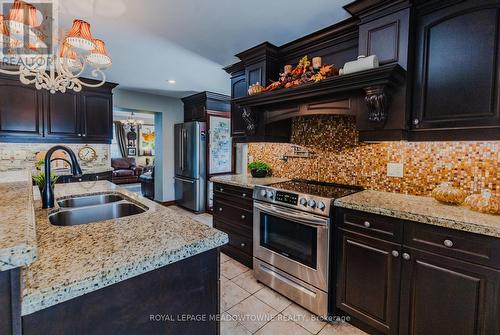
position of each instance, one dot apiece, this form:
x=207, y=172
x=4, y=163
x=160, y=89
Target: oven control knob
x=270, y=194
x=303, y=201
x=263, y=193
x=321, y=205
x=312, y=203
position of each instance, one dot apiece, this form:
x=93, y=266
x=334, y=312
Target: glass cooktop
x=315, y=188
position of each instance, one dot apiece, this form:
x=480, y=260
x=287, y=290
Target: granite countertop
x=76, y=260
x=422, y=209
x=17, y=224
x=244, y=180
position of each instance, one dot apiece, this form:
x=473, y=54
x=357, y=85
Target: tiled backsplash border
x=340, y=158
x=15, y=156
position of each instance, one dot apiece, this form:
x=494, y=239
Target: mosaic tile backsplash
x=15, y=156
x=339, y=157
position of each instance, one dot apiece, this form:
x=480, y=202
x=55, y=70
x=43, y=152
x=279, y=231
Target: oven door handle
x=307, y=219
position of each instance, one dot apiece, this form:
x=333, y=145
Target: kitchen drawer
x=230, y=213
x=374, y=225
x=480, y=249
x=241, y=196
x=240, y=246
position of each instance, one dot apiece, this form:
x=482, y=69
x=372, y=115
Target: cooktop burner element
x=324, y=190
x=305, y=195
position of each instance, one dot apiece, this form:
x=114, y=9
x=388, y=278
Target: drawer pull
x=406, y=256
x=448, y=243
x=244, y=195
x=220, y=209
x=243, y=245
x=366, y=224
x=243, y=217
x=395, y=253
x=221, y=189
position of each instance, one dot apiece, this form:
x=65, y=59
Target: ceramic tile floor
x=248, y=307
x=204, y=218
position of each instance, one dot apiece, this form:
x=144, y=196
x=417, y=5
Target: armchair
x=125, y=170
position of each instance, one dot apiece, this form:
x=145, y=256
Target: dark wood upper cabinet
x=449, y=52
x=31, y=115
x=457, y=69
x=387, y=37
x=21, y=110
x=445, y=296
x=238, y=90
x=97, y=115
x=63, y=115
x=197, y=106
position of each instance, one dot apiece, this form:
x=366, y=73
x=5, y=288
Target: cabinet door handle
x=448, y=243
x=221, y=189
x=243, y=245
x=416, y=122
x=244, y=195
x=243, y=217
x=395, y=253
x=79, y=134
x=220, y=209
x=406, y=256
x=367, y=224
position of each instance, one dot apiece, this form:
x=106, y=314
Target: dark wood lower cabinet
x=233, y=215
x=428, y=281
x=188, y=288
x=369, y=280
x=445, y=296
x=10, y=302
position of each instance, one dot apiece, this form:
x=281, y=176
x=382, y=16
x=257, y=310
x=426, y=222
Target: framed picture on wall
x=147, y=140
x=132, y=151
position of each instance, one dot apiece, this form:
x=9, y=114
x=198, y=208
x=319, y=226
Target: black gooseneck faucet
x=48, y=191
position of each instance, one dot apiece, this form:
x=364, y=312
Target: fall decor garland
x=301, y=74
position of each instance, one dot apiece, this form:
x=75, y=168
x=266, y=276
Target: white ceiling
x=152, y=41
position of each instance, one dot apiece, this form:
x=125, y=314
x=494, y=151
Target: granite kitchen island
x=147, y=273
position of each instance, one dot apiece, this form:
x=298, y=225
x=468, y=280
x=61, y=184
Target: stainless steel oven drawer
x=296, y=290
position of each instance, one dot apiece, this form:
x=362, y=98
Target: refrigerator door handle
x=185, y=180
x=181, y=135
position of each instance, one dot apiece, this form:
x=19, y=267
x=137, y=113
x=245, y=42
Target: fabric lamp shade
x=99, y=57
x=69, y=58
x=80, y=36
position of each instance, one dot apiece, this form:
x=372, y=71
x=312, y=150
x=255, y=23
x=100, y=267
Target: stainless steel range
x=291, y=244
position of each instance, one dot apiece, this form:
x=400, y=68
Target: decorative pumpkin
x=449, y=194
x=255, y=89
x=485, y=202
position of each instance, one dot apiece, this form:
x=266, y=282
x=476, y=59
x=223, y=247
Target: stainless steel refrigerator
x=190, y=165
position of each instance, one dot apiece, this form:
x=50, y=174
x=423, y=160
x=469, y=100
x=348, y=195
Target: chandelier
x=131, y=123
x=55, y=68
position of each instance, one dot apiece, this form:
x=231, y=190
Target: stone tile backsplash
x=339, y=157
x=16, y=156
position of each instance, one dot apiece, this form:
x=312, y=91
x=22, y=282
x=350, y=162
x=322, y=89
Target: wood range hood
x=367, y=95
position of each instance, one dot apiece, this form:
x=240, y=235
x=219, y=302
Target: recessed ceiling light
x=171, y=81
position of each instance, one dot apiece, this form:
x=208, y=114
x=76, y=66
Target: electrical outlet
x=395, y=170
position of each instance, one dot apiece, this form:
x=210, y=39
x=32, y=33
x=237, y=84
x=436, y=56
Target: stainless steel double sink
x=93, y=208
